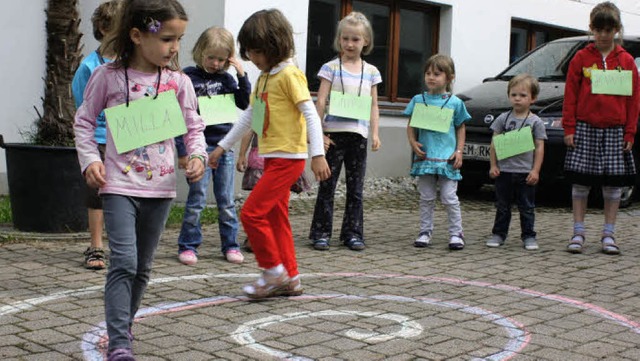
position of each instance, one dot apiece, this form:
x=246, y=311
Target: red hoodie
x=600, y=110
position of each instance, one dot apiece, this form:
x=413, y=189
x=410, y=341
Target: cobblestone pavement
x=389, y=302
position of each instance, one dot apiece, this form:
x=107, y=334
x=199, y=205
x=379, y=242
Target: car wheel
x=467, y=186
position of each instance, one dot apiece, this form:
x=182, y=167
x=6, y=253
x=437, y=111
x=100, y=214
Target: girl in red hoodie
x=600, y=123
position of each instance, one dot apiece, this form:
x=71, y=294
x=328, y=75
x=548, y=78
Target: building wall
x=475, y=33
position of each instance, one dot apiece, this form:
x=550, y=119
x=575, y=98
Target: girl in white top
x=345, y=138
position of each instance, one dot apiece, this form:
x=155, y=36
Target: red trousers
x=265, y=214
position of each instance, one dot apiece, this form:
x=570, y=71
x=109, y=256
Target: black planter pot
x=46, y=188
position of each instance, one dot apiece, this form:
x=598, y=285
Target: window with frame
x=405, y=36
x=526, y=36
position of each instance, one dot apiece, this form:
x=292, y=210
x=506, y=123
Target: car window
x=548, y=61
x=633, y=48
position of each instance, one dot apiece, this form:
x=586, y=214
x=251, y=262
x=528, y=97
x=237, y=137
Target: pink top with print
x=147, y=172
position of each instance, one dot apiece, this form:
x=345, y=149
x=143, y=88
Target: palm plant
x=55, y=125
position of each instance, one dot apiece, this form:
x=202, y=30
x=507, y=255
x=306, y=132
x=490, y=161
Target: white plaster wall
x=475, y=33
x=202, y=14
x=22, y=67
x=296, y=12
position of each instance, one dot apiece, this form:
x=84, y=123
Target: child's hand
x=628, y=146
x=237, y=65
x=215, y=156
x=568, y=141
x=182, y=162
x=456, y=159
x=195, y=169
x=95, y=175
x=375, y=143
x=494, y=172
x=533, y=178
x=417, y=149
x=327, y=142
x=241, y=164
x=320, y=168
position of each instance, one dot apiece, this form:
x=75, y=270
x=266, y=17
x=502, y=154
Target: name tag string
x=604, y=65
x=361, y=76
x=126, y=81
x=443, y=105
x=521, y=125
x=264, y=87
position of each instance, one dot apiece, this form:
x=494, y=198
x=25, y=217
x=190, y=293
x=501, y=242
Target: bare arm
x=416, y=147
x=241, y=163
x=494, y=171
x=538, y=156
x=375, y=119
x=456, y=157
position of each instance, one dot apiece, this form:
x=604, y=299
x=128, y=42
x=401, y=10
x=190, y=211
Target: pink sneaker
x=234, y=256
x=188, y=257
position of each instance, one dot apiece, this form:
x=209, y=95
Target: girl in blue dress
x=438, y=155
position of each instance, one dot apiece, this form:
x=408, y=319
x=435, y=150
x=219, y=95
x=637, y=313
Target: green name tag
x=612, y=82
x=145, y=121
x=218, y=109
x=350, y=106
x=513, y=143
x=259, y=108
x=431, y=118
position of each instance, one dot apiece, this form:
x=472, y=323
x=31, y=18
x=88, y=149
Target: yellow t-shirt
x=285, y=129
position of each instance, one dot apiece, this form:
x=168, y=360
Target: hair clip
x=152, y=24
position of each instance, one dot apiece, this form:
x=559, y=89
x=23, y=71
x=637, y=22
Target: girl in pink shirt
x=137, y=186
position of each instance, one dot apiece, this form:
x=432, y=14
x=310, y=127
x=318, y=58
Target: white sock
x=275, y=271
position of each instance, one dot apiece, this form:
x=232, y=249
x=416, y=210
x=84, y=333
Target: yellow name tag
x=431, y=118
x=145, y=121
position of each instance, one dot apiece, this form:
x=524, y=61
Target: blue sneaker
x=321, y=244
x=355, y=244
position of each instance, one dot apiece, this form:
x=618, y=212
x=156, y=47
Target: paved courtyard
x=389, y=302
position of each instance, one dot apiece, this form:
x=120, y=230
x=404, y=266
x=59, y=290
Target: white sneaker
x=495, y=241
x=456, y=242
x=424, y=240
x=530, y=244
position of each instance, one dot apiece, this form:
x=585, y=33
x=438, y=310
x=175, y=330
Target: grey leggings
x=134, y=226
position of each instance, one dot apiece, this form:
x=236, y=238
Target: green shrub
x=5, y=210
x=209, y=215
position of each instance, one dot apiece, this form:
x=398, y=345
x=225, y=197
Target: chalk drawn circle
x=518, y=337
x=616, y=318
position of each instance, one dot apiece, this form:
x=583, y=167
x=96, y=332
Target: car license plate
x=476, y=151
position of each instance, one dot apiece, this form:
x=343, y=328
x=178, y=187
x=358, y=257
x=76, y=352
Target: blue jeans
x=223, y=189
x=508, y=187
x=134, y=226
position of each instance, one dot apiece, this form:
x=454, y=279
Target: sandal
x=94, y=258
x=609, y=245
x=268, y=286
x=294, y=288
x=575, y=244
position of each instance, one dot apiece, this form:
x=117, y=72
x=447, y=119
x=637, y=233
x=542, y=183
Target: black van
x=548, y=63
